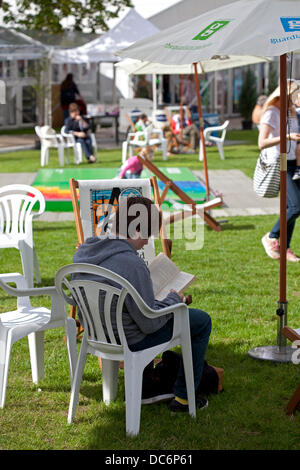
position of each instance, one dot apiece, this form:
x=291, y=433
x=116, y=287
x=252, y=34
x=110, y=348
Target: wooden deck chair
x=96, y=196
x=200, y=209
x=294, y=337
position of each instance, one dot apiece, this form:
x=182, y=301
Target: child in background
x=133, y=168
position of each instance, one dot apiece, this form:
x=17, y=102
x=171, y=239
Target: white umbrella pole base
x=272, y=353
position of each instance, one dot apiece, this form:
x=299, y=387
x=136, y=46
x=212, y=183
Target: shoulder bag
x=266, y=179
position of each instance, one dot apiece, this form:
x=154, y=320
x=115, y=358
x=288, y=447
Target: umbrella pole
x=282, y=310
x=202, y=142
x=280, y=352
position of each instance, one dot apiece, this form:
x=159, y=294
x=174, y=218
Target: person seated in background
x=257, y=110
x=133, y=168
x=142, y=123
x=76, y=125
x=173, y=141
x=183, y=124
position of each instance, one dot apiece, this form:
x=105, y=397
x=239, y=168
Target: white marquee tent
x=130, y=29
x=101, y=50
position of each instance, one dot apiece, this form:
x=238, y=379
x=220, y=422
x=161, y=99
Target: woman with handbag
x=269, y=141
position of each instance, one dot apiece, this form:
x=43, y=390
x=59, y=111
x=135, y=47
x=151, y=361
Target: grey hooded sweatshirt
x=119, y=256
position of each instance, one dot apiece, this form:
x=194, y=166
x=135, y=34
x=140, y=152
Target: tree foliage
x=47, y=15
x=248, y=95
x=273, y=77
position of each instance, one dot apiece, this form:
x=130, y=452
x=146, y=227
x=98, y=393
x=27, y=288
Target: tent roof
x=16, y=45
x=130, y=29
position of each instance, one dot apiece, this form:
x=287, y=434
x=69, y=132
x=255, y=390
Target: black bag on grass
x=166, y=372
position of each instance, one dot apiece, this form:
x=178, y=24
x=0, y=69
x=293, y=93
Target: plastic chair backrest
x=223, y=128
x=97, y=290
x=38, y=131
x=148, y=132
x=16, y=205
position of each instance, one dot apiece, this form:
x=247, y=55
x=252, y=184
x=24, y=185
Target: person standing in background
x=68, y=92
x=269, y=142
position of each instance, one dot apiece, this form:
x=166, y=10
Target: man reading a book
x=119, y=253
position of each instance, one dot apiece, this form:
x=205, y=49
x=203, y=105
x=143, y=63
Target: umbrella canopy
x=257, y=27
x=139, y=67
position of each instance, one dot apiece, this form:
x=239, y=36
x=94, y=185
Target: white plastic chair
x=100, y=340
x=211, y=138
x=17, y=202
x=143, y=139
x=50, y=139
x=70, y=142
x=32, y=322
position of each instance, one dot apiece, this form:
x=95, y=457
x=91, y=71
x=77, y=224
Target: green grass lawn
x=237, y=284
x=242, y=157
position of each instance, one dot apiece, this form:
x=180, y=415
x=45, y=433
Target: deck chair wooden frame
x=131, y=122
x=202, y=210
x=74, y=186
x=294, y=402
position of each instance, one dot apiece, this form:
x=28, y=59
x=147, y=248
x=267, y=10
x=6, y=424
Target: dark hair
x=73, y=107
x=137, y=214
x=143, y=116
x=68, y=82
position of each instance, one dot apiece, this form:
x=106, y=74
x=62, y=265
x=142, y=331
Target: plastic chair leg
x=200, y=152
x=109, y=380
x=77, y=381
x=189, y=374
x=26, y=252
x=78, y=153
x=124, y=151
x=133, y=394
x=44, y=155
x=68, y=156
x=36, y=267
x=221, y=150
x=61, y=155
x=71, y=332
x=5, y=347
x=36, y=350
x=164, y=149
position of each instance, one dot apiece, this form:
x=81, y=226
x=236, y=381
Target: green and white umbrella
x=269, y=28
x=250, y=27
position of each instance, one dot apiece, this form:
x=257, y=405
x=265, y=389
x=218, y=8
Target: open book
x=166, y=275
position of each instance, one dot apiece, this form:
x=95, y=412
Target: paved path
x=238, y=195
x=235, y=187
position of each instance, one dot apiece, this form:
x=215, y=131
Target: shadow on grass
x=229, y=226
x=240, y=407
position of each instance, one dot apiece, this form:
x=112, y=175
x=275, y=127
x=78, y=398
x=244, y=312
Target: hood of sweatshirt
x=97, y=250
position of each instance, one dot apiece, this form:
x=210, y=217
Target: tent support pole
x=201, y=122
